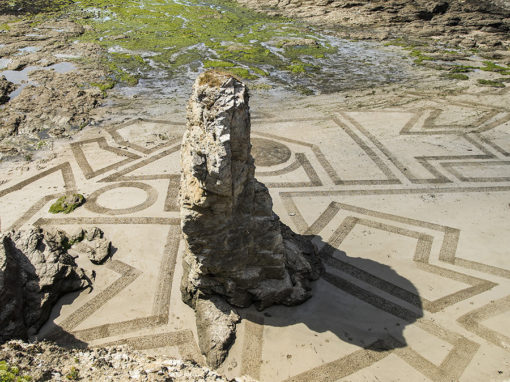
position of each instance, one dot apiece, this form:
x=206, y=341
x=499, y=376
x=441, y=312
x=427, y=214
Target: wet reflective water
x=27, y=50
x=22, y=77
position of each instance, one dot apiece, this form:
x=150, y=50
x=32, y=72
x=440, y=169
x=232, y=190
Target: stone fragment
x=35, y=271
x=216, y=326
x=94, y=233
x=235, y=245
x=9, y=126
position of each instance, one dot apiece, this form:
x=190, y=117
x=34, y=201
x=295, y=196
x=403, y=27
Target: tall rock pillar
x=236, y=246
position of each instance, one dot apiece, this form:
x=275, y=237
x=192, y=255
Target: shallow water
x=21, y=77
x=67, y=55
x=166, y=43
x=63, y=67
x=28, y=49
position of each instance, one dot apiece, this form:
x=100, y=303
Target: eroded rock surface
x=35, y=271
x=236, y=246
x=56, y=95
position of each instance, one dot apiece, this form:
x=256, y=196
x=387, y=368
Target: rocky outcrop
x=53, y=101
x=35, y=271
x=469, y=23
x=236, y=246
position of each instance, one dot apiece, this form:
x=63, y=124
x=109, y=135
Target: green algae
x=242, y=73
x=40, y=144
x=10, y=373
x=104, y=86
x=164, y=44
x=194, y=34
x=119, y=73
x=457, y=76
x=218, y=64
x=494, y=84
x=462, y=68
x=415, y=50
x=259, y=71
x=297, y=68
x=74, y=374
x=493, y=67
x=420, y=56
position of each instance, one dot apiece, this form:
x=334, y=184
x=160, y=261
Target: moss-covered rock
x=67, y=203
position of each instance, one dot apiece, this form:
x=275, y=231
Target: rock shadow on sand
x=360, y=301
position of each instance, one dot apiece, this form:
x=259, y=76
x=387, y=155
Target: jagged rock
x=35, y=271
x=93, y=243
x=236, y=247
x=94, y=233
x=216, y=326
x=6, y=87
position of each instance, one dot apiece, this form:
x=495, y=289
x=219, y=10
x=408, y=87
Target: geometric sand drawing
x=410, y=211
